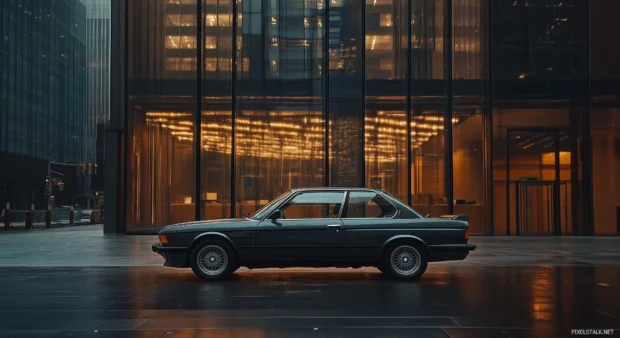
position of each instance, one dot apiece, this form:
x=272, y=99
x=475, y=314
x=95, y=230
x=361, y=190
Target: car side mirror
x=276, y=215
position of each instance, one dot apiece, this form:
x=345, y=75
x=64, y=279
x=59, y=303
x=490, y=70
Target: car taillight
x=163, y=239
x=467, y=234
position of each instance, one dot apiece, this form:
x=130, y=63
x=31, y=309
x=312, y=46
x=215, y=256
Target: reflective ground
x=485, y=299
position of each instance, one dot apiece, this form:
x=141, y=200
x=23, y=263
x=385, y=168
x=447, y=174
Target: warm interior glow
x=294, y=137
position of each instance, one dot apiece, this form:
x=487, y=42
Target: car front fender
x=211, y=234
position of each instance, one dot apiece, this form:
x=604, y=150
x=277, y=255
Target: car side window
x=314, y=204
x=368, y=204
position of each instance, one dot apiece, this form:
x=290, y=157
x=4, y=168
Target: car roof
x=334, y=189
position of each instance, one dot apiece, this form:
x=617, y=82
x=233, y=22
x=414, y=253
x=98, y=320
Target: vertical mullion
x=198, y=114
x=326, y=176
x=557, y=228
x=409, y=88
x=2, y=89
x=448, y=162
x=586, y=174
x=233, y=170
x=488, y=129
x=362, y=181
x=508, y=184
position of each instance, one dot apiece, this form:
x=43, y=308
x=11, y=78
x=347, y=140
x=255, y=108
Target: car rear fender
x=405, y=238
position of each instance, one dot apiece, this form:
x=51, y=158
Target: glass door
x=534, y=197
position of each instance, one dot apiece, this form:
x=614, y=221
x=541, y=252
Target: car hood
x=216, y=224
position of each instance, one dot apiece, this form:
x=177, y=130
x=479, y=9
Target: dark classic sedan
x=319, y=227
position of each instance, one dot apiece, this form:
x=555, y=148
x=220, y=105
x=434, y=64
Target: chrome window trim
x=342, y=204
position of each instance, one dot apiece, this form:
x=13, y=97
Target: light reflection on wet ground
x=449, y=301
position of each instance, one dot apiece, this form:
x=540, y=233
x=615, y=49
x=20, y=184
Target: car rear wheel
x=405, y=261
x=213, y=260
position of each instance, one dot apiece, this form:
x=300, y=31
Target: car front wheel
x=213, y=260
x=405, y=261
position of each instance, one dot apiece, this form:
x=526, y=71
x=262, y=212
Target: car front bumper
x=175, y=257
x=450, y=252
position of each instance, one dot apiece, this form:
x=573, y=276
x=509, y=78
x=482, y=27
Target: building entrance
x=539, y=194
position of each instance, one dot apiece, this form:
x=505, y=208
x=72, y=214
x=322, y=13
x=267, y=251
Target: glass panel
x=605, y=121
x=313, y=205
x=469, y=178
x=429, y=103
x=605, y=125
x=161, y=169
x=468, y=40
x=216, y=120
x=427, y=26
x=386, y=88
x=161, y=116
x=280, y=126
x=362, y=204
x=428, y=165
x=346, y=103
x=538, y=45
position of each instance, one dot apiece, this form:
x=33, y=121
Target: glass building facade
x=42, y=98
x=506, y=111
x=98, y=75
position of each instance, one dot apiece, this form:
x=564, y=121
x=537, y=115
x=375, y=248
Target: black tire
x=222, y=260
x=408, y=254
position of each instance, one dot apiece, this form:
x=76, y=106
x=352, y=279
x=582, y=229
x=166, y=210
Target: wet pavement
x=546, y=289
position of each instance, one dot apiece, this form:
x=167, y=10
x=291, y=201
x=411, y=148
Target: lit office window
x=172, y=63
x=378, y=2
x=187, y=64
x=211, y=42
x=218, y=20
x=220, y=2
x=181, y=20
x=182, y=2
x=379, y=42
x=225, y=64
x=180, y=42
x=385, y=20
x=210, y=64
x=177, y=63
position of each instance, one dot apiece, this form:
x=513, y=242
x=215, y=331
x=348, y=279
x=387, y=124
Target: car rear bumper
x=175, y=257
x=450, y=252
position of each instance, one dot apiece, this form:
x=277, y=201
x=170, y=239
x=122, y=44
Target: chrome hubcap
x=212, y=260
x=406, y=260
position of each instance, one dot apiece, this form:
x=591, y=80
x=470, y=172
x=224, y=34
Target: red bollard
x=48, y=218
x=30, y=217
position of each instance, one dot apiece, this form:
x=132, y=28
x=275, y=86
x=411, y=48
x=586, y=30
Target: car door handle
x=333, y=225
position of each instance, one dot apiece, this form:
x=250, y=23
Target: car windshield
x=260, y=214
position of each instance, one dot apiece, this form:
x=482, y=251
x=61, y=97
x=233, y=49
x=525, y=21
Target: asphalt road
x=79, y=283
x=449, y=301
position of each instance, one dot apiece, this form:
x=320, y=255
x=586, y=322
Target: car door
x=310, y=229
x=369, y=219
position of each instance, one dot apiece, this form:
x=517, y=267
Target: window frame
x=346, y=204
